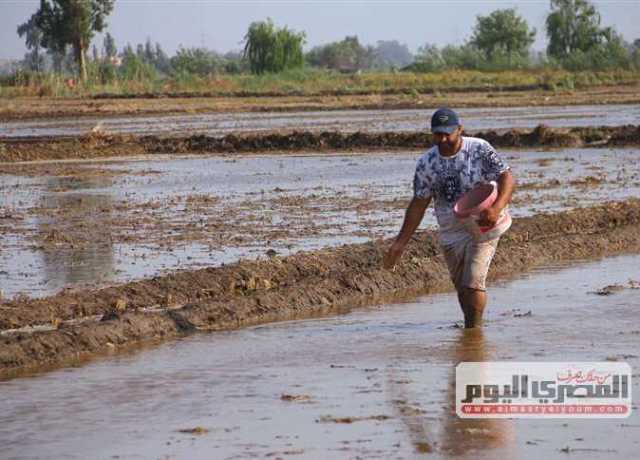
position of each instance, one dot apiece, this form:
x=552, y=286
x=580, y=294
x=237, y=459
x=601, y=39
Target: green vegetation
x=577, y=40
x=503, y=34
x=497, y=55
x=345, y=55
x=269, y=49
x=70, y=22
x=34, y=59
x=310, y=82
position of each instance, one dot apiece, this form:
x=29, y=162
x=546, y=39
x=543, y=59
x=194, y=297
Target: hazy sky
x=221, y=25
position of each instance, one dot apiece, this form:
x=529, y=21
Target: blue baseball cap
x=444, y=120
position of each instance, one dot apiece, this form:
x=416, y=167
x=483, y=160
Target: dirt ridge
x=301, y=285
x=105, y=106
x=101, y=145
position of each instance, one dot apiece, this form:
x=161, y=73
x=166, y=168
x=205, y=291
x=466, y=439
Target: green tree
x=634, y=51
x=347, y=55
x=57, y=58
x=502, y=33
x=140, y=52
x=391, y=53
x=269, y=49
x=72, y=22
x=33, y=40
x=162, y=62
x=196, y=61
x=134, y=68
x=572, y=25
x=612, y=52
x=149, y=52
x=430, y=58
x=234, y=62
x=109, y=46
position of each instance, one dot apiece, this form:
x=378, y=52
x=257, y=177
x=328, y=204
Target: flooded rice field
x=71, y=224
x=215, y=124
x=373, y=381
x=369, y=383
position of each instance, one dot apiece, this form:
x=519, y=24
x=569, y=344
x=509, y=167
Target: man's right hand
x=412, y=219
x=393, y=255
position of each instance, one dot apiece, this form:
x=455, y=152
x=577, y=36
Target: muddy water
x=139, y=223
x=344, y=120
x=388, y=368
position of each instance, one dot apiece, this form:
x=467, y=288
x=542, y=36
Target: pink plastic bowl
x=476, y=200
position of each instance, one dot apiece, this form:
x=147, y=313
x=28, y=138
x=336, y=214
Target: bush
x=197, y=61
x=134, y=69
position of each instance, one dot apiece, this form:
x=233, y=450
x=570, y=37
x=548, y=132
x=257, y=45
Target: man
x=453, y=166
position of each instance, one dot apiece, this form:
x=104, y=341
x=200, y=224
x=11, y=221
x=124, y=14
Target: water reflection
x=75, y=233
x=217, y=124
x=461, y=437
x=456, y=437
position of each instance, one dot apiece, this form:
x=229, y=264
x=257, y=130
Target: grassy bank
x=318, y=83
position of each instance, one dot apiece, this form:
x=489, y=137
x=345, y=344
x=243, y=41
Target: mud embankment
x=74, y=325
x=32, y=108
x=101, y=145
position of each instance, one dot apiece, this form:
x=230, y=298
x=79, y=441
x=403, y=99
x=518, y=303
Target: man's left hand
x=489, y=217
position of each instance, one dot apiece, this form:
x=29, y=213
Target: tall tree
x=72, y=22
x=391, y=53
x=347, y=55
x=149, y=52
x=196, y=61
x=109, y=46
x=162, y=63
x=33, y=40
x=572, y=25
x=140, y=52
x=502, y=32
x=270, y=49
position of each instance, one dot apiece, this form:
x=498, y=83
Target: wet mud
x=80, y=324
x=92, y=224
x=25, y=108
x=407, y=120
x=374, y=382
x=103, y=145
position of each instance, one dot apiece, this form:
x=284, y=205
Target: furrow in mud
x=301, y=285
x=101, y=145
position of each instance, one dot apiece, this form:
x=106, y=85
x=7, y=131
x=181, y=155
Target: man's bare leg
x=472, y=303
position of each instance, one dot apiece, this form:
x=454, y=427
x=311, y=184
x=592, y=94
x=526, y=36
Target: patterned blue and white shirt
x=446, y=179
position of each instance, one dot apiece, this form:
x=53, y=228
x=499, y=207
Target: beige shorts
x=469, y=261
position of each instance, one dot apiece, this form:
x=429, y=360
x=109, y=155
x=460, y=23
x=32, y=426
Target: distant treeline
x=499, y=41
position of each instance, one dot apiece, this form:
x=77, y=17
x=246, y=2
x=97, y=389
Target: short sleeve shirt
x=446, y=179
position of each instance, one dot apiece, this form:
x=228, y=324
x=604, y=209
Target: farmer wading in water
x=452, y=167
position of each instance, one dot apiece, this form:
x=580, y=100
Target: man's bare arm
x=506, y=184
x=412, y=218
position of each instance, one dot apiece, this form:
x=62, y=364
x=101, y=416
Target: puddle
x=344, y=120
x=290, y=388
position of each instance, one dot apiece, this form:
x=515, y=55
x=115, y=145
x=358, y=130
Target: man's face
x=447, y=142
